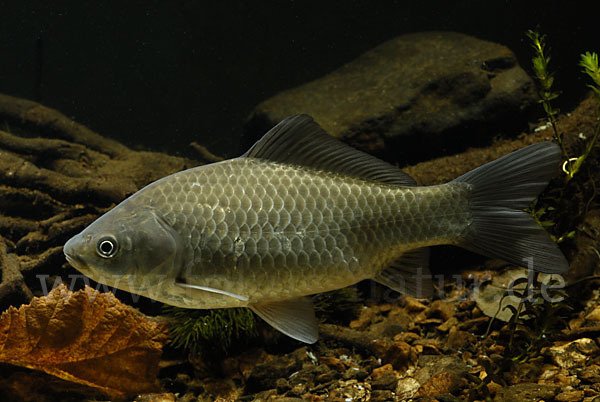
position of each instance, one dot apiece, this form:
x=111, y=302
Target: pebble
x=574, y=353
x=442, y=309
x=594, y=315
x=386, y=381
x=407, y=388
x=381, y=371
x=570, y=396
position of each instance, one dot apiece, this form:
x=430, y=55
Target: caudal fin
x=501, y=190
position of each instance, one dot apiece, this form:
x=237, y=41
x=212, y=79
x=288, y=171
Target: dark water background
x=159, y=74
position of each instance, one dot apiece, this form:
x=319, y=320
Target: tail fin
x=500, y=191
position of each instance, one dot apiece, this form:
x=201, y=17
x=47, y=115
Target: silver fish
x=302, y=213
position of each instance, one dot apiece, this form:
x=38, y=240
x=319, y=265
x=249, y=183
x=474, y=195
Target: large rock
x=412, y=98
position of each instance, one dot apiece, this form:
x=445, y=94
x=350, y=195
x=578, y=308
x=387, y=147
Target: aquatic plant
x=543, y=308
x=338, y=306
x=200, y=331
x=545, y=80
x=589, y=62
x=562, y=207
x=543, y=311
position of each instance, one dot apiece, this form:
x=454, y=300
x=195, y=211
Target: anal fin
x=293, y=317
x=409, y=274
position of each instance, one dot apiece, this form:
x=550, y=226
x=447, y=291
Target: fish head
x=131, y=249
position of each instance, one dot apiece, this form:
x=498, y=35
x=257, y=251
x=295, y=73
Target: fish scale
x=302, y=213
x=300, y=231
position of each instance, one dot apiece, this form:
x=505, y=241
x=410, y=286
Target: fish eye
x=107, y=247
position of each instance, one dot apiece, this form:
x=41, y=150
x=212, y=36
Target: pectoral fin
x=211, y=290
x=294, y=317
x=409, y=274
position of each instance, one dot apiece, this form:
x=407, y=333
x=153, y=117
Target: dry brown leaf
x=86, y=337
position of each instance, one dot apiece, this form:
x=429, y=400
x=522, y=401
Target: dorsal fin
x=299, y=140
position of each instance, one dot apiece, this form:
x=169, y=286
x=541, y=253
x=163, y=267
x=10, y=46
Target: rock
x=408, y=337
x=327, y=377
x=489, y=297
x=379, y=395
x=593, y=315
x=406, y=98
x=387, y=381
x=398, y=353
x=165, y=397
x=442, y=383
x=590, y=374
x=265, y=395
x=308, y=374
x=574, y=353
x=333, y=362
x=282, y=385
x=264, y=376
x=430, y=365
x=407, y=388
x=364, y=319
x=526, y=392
x=442, y=309
x=570, y=396
x=458, y=339
x=447, y=325
x=413, y=305
x=357, y=373
x=552, y=375
x=381, y=371
x=350, y=390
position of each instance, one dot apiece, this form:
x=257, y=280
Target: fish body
x=301, y=213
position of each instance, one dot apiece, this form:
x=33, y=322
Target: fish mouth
x=76, y=262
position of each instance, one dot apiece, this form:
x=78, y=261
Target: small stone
x=570, y=396
x=265, y=375
x=297, y=390
x=442, y=383
x=413, y=305
x=380, y=395
x=333, y=362
x=576, y=323
x=442, y=309
x=553, y=375
x=430, y=365
x=364, y=318
x=387, y=381
x=166, y=397
x=358, y=373
x=590, y=374
x=327, y=376
x=574, y=353
x=458, y=339
x=407, y=388
x=381, y=371
x=282, y=385
x=265, y=395
x=466, y=305
x=399, y=354
x=446, y=325
x=593, y=315
x=408, y=337
x=526, y=392
x=493, y=388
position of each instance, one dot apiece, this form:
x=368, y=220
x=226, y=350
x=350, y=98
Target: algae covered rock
x=430, y=93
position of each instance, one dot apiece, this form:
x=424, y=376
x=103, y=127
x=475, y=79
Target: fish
x=302, y=213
